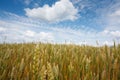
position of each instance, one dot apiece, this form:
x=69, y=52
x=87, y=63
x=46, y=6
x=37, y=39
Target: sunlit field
x=40, y=61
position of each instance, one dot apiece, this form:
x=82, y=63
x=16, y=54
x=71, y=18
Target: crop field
x=30, y=61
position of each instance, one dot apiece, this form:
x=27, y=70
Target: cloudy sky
x=60, y=21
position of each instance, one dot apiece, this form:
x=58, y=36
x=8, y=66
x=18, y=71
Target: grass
x=32, y=61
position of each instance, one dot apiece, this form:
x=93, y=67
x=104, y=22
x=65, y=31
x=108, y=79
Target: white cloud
x=76, y=1
x=116, y=13
x=20, y=29
x=16, y=31
x=36, y=5
x=46, y=35
x=27, y=2
x=113, y=18
x=29, y=33
x=2, y=29
x=60, y=11
x=113, y=33
x=42, y=36
x=110, y=16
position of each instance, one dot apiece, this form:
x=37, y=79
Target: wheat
x=59, y=62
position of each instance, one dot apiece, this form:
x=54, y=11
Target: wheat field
x=30, y=61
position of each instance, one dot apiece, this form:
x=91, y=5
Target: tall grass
x=59, y=62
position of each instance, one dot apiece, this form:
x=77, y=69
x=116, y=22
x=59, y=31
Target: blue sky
x=60, y=21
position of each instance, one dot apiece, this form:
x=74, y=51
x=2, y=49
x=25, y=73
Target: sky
x=60, y=21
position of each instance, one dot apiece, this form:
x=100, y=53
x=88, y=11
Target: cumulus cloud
x=60, y=11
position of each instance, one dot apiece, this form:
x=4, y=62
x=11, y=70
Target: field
x=30, y=61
